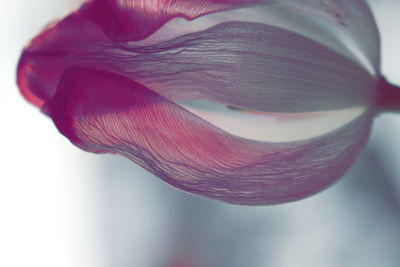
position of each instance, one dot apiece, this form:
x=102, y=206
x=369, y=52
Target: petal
x=350, y=21
x=48, y=55
x=249, y=65
x=104, y=112
x=128, y=20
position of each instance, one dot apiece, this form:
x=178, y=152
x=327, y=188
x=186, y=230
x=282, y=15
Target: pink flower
x=114, y=77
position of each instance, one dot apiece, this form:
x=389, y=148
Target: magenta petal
x=58, y=47
x=250, y=65
x=104, y=112
x=129, y=20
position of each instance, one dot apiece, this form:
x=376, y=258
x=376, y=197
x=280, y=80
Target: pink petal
x=104, y=112
x=249, y=65
x=129, y=20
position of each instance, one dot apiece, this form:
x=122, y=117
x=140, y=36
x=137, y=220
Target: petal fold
x=130, y=20
x=249, y=65
x=350, y=21
x=105, y=112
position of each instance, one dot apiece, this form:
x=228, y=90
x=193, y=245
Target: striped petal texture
x=192, y=90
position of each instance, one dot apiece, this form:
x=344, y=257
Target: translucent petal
x=128, y=20
x=105, y=112
x=350, y=22
x=269, y=126
x=248, y=65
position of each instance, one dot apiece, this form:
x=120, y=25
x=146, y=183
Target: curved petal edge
x=104, y=112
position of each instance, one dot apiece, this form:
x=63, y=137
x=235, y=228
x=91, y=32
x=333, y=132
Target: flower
x=115, y=76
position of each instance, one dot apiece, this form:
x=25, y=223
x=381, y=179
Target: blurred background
x=60, y=206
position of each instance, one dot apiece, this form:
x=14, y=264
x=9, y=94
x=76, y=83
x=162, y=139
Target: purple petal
x=249, y=65
x=129, y=20
x=350, y=21
x=105, y=112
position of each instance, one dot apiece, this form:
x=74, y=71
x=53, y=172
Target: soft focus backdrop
x=64, y=207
